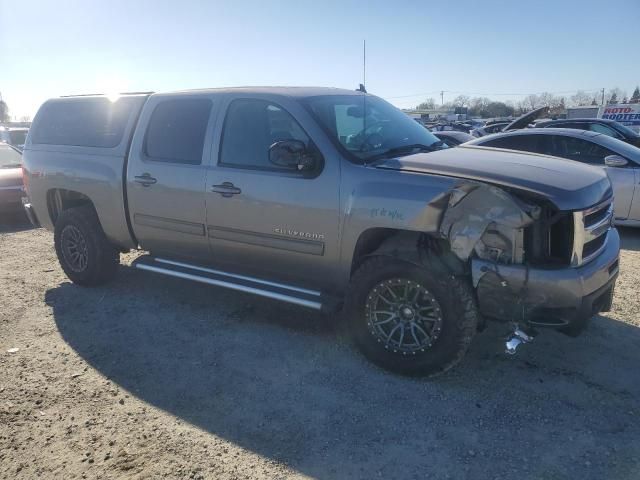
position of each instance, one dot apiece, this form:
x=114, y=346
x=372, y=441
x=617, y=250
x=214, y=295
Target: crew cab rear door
x=264, y=220
x=166, y=175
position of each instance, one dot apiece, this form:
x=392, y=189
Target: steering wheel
x=371, y=136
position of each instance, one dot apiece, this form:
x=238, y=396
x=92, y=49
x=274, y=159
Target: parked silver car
x=620, y=160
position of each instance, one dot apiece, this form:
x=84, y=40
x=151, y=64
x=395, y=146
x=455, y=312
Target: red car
x=11, y=187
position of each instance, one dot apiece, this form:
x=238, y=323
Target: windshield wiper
x=406, y=150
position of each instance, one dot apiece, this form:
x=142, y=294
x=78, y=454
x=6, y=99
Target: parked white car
x=620, y=160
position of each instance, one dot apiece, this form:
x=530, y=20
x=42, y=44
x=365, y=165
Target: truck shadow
x=629, y=238
x=14, y=222
x=285, y=383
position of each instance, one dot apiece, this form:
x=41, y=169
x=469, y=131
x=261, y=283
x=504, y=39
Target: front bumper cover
x=563, y=298
x=30, y=212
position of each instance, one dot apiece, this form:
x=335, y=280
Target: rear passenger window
x=580, y=150
x=176, y=131
x=82, y=122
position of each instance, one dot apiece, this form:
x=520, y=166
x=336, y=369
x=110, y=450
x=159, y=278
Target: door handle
x=226, y=189
x=145, y=179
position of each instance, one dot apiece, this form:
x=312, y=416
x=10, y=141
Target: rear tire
x=423, y=333
x=83, y=250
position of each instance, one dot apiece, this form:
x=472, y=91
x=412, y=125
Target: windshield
x=626, y=131
x=370, y=132
x=9, y=157
x=17, y=137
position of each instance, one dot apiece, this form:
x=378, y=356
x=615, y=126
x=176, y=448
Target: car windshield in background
x=17, y=137
x=9, y=157
x=369, y=128
x=626, y=130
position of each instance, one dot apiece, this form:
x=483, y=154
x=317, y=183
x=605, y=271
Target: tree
x=614, y=94
x=547, y=99
x=477, y=106
x=532, y=101
x=579, y=99
x=498, y=109
x=461, y=101
x=522, y=107
x=635, y=98
x=4, y=111
x=428, y=104
x=557, y=108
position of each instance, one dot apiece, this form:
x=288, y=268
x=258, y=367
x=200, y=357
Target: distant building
x=436, y=114
x=587, y=111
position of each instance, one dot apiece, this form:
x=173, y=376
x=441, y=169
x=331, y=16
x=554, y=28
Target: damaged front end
x=531, y=264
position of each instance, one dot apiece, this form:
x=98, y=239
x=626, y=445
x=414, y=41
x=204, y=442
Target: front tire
x=408, y=319
x=83, y=250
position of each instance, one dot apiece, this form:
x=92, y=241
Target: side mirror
x=292, y=155
x=615, y=161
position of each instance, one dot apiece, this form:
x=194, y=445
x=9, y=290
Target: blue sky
x=51, y=48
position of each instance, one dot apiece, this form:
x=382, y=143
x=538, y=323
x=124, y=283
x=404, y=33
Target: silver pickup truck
x=329, y=199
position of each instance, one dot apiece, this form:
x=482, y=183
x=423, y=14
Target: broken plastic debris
x=13, y=350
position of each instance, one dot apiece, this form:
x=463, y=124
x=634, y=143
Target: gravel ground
x=152, y=377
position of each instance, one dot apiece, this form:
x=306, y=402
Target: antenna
x=363, y=89
x=364, y=65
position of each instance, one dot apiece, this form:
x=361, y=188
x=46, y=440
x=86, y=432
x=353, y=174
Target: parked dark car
x=599, y=125
x=453, y=138
x=620, y=160
x=11, y=188
x=459, y=126
x=15, y=136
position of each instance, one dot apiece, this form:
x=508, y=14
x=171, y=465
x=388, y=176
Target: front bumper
x=562, y=298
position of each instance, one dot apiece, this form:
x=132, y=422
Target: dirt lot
x=152, y=377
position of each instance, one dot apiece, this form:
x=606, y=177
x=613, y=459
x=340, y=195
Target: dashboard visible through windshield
x=369, y=128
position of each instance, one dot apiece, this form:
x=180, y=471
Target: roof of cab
x=298, y=92
x=285, y=91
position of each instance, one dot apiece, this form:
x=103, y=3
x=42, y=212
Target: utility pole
x=602, y=97
x=442, y=97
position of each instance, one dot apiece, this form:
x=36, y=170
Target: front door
x=265, y=219
x=166, y=177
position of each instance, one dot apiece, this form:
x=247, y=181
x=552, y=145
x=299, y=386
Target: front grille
x=590, y=230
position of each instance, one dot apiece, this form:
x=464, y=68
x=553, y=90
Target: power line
x=441, y=92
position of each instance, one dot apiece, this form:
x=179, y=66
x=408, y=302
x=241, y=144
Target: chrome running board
x=277, y=291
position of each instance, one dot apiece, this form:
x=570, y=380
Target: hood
x=526, y=119
x=10, y=177
x=569, y=185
